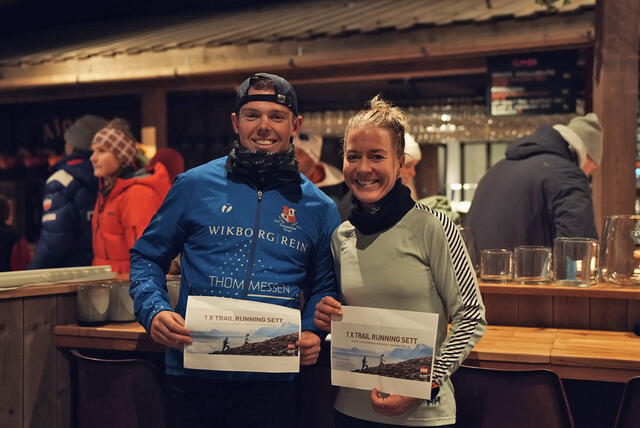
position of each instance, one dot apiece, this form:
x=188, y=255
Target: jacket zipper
x=100, y=209
x=254, y=244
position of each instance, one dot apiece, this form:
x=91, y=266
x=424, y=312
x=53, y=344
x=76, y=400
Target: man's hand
x=327, y=307
x=309, y=346
x=391, y=405
x=168, y=329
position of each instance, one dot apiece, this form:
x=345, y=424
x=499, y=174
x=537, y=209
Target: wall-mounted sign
x=535, y=83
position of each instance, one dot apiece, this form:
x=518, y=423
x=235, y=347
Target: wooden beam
x=435, y=43
x=615, y=98
x=406, y=69
x=154, y=114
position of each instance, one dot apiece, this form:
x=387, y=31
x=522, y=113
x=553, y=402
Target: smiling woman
x=371, y=165
x=426, y=269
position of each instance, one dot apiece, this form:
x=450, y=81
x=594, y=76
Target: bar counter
x=574, y=354
x=36, y=390
x=35, y=375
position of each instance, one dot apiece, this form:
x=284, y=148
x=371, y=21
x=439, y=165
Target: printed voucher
x=240, y=335
x=386, y=349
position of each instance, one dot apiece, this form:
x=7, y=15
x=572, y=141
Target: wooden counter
x=603, y=306
x=35, y=387
x=603, y=289
x=573, y=354
x=129, y=336
x=35, y=375
x=515, y=345
x=52, y=289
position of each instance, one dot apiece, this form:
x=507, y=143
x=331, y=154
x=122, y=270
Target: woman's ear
x=401, y=165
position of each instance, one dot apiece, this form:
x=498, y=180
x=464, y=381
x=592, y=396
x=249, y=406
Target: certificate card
x=240, y=335
x=386, y=349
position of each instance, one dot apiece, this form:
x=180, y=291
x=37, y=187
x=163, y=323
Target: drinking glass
x=620, y=256
x=173, y=288
x=495, y=265
x=532, y=264
x=92, y=302
x=575, y=261
x=120, y=303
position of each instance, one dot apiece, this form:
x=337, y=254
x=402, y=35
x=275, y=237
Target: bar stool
x=124, y=393
x=629, y=411
x=488, y=398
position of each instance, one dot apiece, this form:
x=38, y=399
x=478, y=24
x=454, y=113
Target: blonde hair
x=383, y=115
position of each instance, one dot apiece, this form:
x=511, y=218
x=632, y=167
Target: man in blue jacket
x=69, y=198
x=541, y=190
x=249, y=226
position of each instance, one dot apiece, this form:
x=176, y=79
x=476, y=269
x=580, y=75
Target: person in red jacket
x=127, y=198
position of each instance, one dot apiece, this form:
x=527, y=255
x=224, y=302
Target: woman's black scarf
x=385, y=213
x=263, y=168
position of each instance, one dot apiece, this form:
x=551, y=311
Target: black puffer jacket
x=534, y=195
x=8, y=238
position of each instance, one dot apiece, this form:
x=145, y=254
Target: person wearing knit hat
x=171, y=159
x=80, y=134
x=69, y=197
x=541, y=190
x=412, y=156
x=584, y=135
x=308, y=149
x=250, y=227
x=127, y=199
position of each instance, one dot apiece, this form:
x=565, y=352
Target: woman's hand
x=168, y=328
x=391, y=405
x=327, y=307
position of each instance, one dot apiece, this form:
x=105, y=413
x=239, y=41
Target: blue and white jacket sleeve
x=58, y=221
x=152, y=253
x=321, y=279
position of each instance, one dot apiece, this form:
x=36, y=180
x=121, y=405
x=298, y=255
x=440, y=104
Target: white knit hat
x=411, y=148
x=584, y=135
x=312, y=145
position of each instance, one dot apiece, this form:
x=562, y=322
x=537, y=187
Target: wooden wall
x=35, y=389
x=588, y=313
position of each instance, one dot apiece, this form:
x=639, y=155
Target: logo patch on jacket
x=48, y=217
x=46, y=204
x=227, y=207
x=288, y=214
x=287, y=219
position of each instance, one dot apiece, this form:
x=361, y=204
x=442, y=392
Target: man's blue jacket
x=270, y=245
x=69, y=198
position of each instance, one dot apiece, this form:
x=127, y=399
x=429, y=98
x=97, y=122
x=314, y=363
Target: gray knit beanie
x=80, y=134
x=584, y=135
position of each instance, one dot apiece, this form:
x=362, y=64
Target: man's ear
x=234, y=122
x=297, y=126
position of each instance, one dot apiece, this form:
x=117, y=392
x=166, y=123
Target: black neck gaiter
x=263, y=169
x=385, y=213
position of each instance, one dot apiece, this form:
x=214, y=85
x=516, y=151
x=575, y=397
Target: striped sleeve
x=457, y=285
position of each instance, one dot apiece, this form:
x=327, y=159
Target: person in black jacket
x=14, y=250
x=541, y=190
x=69, y=197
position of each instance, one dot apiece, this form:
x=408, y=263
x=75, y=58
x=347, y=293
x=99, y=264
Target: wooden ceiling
x=312, y=41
